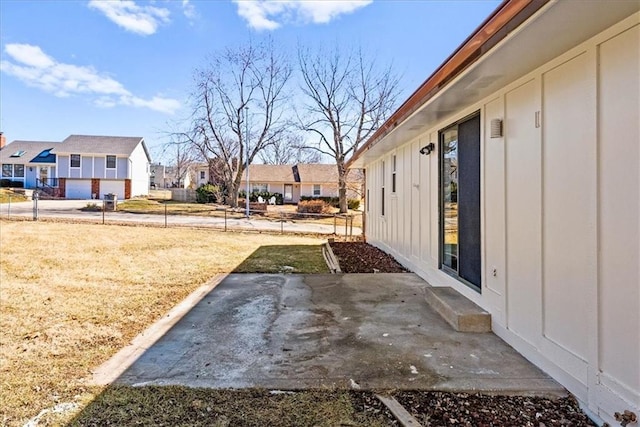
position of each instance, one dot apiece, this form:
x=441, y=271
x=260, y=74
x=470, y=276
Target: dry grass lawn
x=72, y=295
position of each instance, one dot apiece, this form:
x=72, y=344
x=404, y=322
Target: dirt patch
x=461, y=409
x=360, y=257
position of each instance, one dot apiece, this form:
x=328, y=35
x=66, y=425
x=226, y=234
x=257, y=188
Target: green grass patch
x=301, y=259
x=182, y=406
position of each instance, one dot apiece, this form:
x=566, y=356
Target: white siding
x=138, y=171
x=560, y=216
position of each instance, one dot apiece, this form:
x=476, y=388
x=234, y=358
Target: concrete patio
x=368, y=331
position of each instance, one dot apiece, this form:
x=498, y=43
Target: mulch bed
x=360, y=257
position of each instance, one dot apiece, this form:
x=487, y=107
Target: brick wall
x=95, y=187
x=62, y=187
x=127, y=188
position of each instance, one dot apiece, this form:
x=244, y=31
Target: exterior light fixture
x=496, y=128
x=427, y=149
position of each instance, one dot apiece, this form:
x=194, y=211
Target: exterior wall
x=138, y=171
x=63, y=166
x=560, y=202
x=122, y=171
x=95, y=188
x=99, y=167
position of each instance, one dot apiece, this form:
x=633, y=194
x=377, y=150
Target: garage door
x=78, y=188
x=115, y=187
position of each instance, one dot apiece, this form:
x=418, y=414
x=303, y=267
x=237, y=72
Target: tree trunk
x=342, y=187
x=234, y=188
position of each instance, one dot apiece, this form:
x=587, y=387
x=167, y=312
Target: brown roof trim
x=508, y=16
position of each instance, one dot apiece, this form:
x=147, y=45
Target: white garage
x=78, y=189
x=115, y=187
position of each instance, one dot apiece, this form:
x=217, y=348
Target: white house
x=80, y=167
x=512, y=174
x=293, y=181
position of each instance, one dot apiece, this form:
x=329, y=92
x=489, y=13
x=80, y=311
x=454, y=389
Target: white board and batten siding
x=560, y=216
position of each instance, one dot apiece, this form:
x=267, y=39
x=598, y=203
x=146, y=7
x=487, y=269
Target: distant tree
x=241, y=91
x=289, y=150
x=347, y=97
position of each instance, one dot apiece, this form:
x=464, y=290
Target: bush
x=207, y=193
x=312, y=206
x=10, y=183
x=352, y=204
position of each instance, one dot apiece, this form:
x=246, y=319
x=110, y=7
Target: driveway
x=70, y=209
x=369, y=331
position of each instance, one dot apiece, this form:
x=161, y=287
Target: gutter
x=507, y=17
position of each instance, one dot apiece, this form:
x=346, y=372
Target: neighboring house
x=167, y=176
x=81, y=166
x=293, y=181
x=512, y=175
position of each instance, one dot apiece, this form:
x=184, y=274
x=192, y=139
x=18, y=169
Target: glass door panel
x=450, y=198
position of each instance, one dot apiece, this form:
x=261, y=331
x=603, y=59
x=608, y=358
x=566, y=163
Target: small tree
x=238, y=105
x=346, y=99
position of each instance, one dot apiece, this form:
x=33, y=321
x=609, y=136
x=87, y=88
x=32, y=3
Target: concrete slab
x=368, y=331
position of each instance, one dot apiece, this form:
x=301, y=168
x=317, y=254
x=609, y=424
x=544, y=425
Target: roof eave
x=508, y=16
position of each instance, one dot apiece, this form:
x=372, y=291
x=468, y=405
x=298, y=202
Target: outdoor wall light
x=427, y=149
x=496, y=128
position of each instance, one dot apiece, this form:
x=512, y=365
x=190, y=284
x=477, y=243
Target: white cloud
x=270, y=14
x=143, y=20
x=189, y=10
x=37, y=69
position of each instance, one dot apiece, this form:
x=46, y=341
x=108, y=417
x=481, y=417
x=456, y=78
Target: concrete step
x=462, y=314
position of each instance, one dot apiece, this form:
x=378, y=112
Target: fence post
x=165, y=215
x=225, y=219
x=335, y=231
x=281, y=224
x=351, y=226
x=9, y=208
x=104, y=207
x=346, y=226
x=35, y=205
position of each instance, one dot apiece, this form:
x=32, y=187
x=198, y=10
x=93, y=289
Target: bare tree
x=238, y=109
x=347, y=98
x=288, y=150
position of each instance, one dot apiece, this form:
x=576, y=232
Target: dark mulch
x=360, y=257
x=461, y=409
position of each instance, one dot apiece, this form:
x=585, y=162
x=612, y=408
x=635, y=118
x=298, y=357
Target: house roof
x=24, y=152
x=95, y=144
x=302, y=173
x=518, y=37
x=270, y=173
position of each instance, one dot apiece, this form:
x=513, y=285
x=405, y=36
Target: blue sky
x=125, y=67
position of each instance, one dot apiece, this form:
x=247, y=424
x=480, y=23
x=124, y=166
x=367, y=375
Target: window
x=19, y=153
x=316, y=190
x=18, y=171
x=7, y=171
x=75, y=160
x=259, y=188
x=393, y=175
x=202, y=175
x=111, y=162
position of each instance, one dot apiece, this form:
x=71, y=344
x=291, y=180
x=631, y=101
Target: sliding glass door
x=460, y=240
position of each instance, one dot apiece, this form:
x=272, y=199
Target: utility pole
x=246, y=133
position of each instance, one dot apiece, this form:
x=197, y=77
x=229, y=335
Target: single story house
x=163, y=176
x=294, y=181
x=512, y=175
x=80, y=167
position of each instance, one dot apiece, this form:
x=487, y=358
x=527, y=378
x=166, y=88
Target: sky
x=125, y=68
